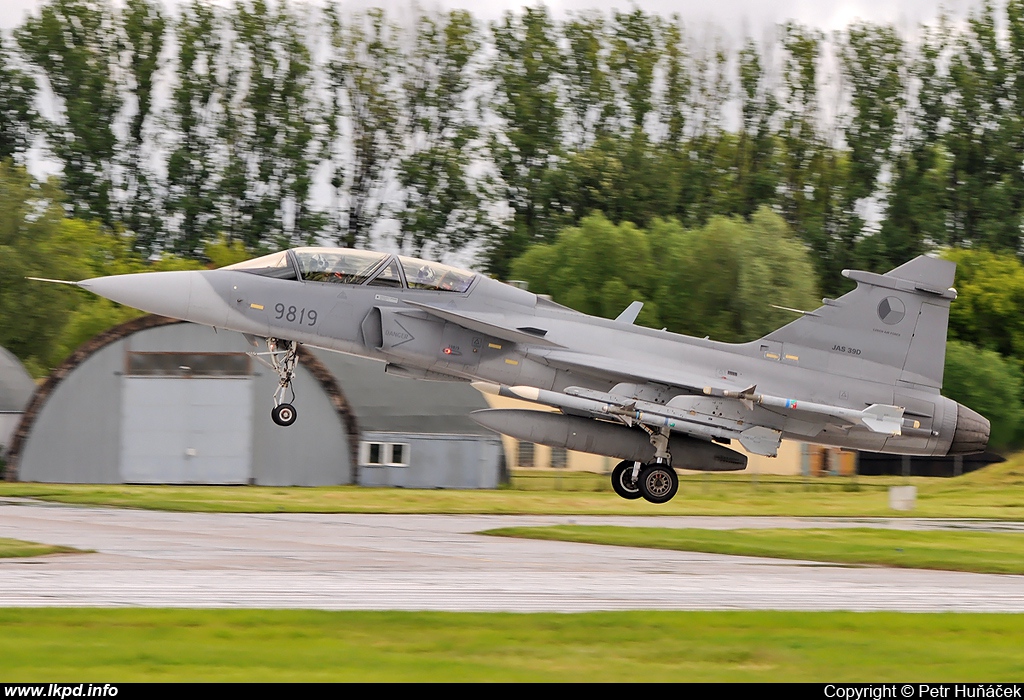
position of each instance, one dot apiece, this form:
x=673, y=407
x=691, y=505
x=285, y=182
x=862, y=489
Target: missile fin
x=761, y=441
x=880, y=418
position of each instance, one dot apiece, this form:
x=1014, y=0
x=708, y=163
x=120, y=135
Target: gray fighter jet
x=863, y=371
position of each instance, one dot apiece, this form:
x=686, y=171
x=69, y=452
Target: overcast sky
x=748, y=16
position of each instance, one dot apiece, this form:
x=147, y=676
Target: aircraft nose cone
x=972, y=431
x=164, y=293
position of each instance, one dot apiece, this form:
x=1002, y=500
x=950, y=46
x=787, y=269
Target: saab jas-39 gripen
x=863, y=371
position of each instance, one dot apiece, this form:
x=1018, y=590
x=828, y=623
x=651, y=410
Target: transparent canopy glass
x=274, y=265
x=424, y=274
x=337, y=265
x=350, y=266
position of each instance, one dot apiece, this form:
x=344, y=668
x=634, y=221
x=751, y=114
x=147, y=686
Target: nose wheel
x=283, y=355
x=283, y=414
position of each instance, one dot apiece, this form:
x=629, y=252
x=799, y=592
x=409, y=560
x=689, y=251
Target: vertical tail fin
x=898, y=319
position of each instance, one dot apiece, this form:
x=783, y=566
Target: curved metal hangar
x=156, y=400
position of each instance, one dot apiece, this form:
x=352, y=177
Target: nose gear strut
x=283, y=356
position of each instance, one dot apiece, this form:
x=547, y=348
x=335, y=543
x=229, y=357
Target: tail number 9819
x=304, y=317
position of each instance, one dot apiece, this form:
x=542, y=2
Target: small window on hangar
x=188, y=364
x=384, y=454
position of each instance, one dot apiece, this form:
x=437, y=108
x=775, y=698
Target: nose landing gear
x=283, y=414
x=283, y=356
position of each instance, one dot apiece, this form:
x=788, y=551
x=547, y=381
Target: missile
x=759, y=440
x=878, y=418
x=598, y=437
x=549, y=398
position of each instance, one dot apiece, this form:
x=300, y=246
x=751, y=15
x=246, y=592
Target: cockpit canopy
x=358, y=267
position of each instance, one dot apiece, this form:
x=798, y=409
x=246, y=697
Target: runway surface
x=436, y=562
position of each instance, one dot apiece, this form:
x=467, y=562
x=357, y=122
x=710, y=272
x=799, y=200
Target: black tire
x=284, y=414
x=623, y=483
x=658, y=483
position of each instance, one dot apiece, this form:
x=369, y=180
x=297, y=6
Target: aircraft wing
x=604, y=367
x=483, y=324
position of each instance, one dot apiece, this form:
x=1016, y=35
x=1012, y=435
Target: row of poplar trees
x=277, y=124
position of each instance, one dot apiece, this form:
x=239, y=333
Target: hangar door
x=186, y=419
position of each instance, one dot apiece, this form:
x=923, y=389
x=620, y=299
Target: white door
x=186, y=431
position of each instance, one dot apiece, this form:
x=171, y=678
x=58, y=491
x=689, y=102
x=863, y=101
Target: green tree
x=222, y=252
x=144, y=26
x=873, y=65
x=818, y=196
x=74, y=43
x=776, y=268
x=624, y=176
x=675, y=102
x=598, y=268
x=525, y=143
x=989, y=384
x=588, y=87
x=275, y=146
x=36, y=240
x=703, y=164
x=31, y=313
x=192, y=187
x=917, y=205
x=635, y=52
x=757, y=177
x=17, y=109
x=42, y=323
x=442, y=209
x=983, y=131
x=989, y=310
x=362, y=65
x=752, y=265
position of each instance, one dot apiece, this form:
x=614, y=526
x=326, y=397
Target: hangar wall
x=81, y=423
x=434, y=461
x=16, y=389
x=76, y=432
x=443, y=447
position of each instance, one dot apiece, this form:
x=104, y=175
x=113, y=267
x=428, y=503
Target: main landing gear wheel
x=622, y=481
x=658, y=482
x=283, y=414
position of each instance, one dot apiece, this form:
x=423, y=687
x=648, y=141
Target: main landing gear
x=655, y=482
x=283, y=356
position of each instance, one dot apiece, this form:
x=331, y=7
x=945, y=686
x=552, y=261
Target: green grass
x=123, y=645
x=983, y=552
x=996, y=492
x=19, y=548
